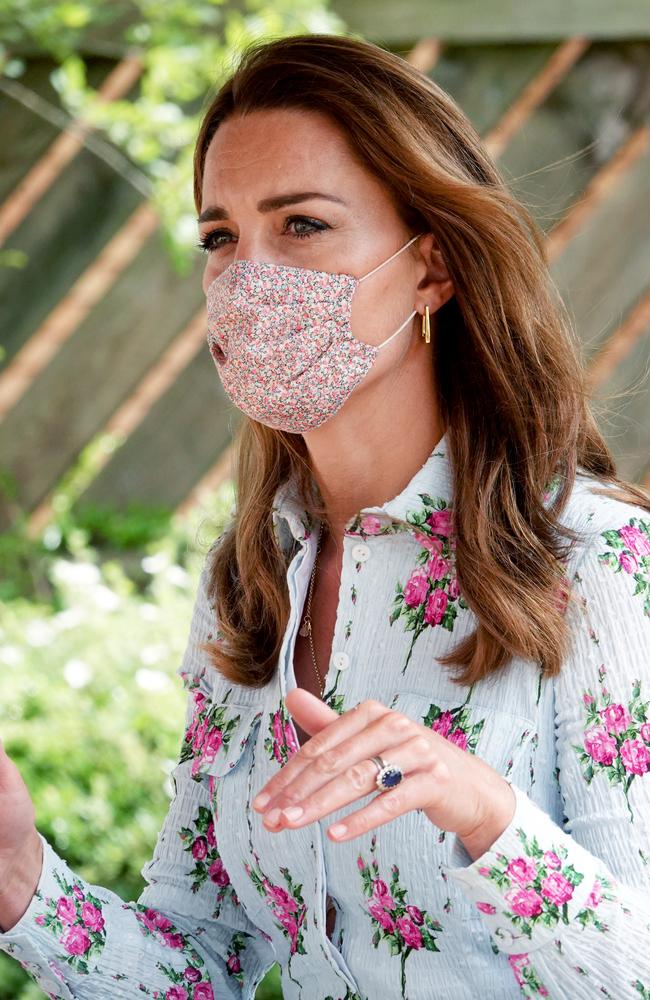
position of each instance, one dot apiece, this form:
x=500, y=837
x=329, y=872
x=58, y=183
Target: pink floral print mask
x=281, y=339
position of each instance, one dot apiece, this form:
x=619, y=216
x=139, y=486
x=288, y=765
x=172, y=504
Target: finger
x=379, y=737
x=310, y=712
x=357, y=781
x=352, y=721
x=410, y=794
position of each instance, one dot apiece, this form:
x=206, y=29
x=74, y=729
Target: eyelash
x=206, y=242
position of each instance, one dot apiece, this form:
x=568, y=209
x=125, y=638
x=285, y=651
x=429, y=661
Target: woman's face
x=283, y=186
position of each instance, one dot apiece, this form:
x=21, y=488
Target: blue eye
x=212, y=241
x=315, y=225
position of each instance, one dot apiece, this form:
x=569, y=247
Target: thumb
x=309, y=711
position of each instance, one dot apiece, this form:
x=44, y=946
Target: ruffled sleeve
x=186, y=935
x=570, y=905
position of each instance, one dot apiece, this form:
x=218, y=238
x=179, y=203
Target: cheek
x=209, y=274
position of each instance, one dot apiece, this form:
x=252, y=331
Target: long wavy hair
x=516, y=410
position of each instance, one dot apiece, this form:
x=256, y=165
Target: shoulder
x=611, y=532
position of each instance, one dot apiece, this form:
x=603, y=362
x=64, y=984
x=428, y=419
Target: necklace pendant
x=305, y=628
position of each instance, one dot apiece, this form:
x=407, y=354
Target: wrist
x=19, y=881
x=498, y=817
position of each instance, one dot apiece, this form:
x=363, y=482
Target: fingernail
x=338, y=830
x=272, y=817
x=261, y=800
x=293, y=812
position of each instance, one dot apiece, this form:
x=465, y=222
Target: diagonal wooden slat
x=602, y=272
x=622, y=403
x=95, y=370
x=84, y=295
x=534, y=94
x=597, y=191
x=217, y=475
x=620, y=344
x=134, y=409
x=425, y=54
x=66, y=146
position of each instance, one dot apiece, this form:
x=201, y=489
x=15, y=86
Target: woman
x=418, y=723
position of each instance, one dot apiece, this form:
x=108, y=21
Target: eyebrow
x=215, y=212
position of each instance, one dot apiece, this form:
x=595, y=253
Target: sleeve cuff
x=532, y=883
x=29, y=942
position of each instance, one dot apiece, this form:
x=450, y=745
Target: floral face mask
x=289, y=357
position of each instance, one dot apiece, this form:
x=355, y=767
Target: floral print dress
x=558, y=906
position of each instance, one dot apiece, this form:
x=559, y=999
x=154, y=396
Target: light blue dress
x=558, y=907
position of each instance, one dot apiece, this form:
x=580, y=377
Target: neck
x=371, y=449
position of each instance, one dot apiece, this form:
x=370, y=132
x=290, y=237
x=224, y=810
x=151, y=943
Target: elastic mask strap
x=399, y=330
x=414, y=238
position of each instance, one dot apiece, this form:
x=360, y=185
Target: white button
x=341, y=661
x=360, y=553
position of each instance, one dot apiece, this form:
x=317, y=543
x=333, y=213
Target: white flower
x=11, y=655
x=177, y=576
x=105, y=598
x=77, y=673
x=153, y=654
x=68, y=618
x=155, y=564
x=39, y=632
x=151, y=680
x=75, y=574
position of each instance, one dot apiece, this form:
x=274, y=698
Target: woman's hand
x=21, y=851
x=456, y=790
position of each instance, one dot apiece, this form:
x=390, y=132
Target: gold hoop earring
x=426, y=326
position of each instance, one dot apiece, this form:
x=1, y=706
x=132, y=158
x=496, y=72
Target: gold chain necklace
x=306, y=627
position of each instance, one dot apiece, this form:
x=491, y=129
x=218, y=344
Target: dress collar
x=431, y=485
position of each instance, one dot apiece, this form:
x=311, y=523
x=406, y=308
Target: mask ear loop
x=414, y=313
x=399, y=330
x=412, y=240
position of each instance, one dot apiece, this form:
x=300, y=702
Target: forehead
x=256, y=151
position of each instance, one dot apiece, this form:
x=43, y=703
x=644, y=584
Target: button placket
x=360, y=553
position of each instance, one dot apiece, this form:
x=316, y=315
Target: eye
x=214, y=239
x=315, y=226
x=211, y=242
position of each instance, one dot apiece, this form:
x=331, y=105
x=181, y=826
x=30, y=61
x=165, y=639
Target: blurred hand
x=21, y=852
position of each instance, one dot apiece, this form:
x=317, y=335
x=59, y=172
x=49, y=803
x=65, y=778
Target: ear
x=436, y=287
x=309, y=711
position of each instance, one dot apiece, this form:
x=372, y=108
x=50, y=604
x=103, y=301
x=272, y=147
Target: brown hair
x=516, y=411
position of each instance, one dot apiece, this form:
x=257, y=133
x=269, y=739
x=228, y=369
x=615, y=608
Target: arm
x=186, y=936
x=571, y=906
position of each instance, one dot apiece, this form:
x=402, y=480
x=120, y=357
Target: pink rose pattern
x=536, y=886
x=208, y=734
x=286, y=905
x=76, y=919
x=188, y=978
x=201, y=845
x=431, y=595
x=403, y=926
x=527, y=978
x=281, y=742
x=629, y=552
x=456, y=725
x=616, y=740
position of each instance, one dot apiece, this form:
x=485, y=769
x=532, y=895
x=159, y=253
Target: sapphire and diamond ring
x=388, y=775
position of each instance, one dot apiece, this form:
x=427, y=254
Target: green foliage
x=137, y=525
x=91, y=709
x=186, y=50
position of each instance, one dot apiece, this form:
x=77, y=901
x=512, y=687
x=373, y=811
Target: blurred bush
x=91, y=709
